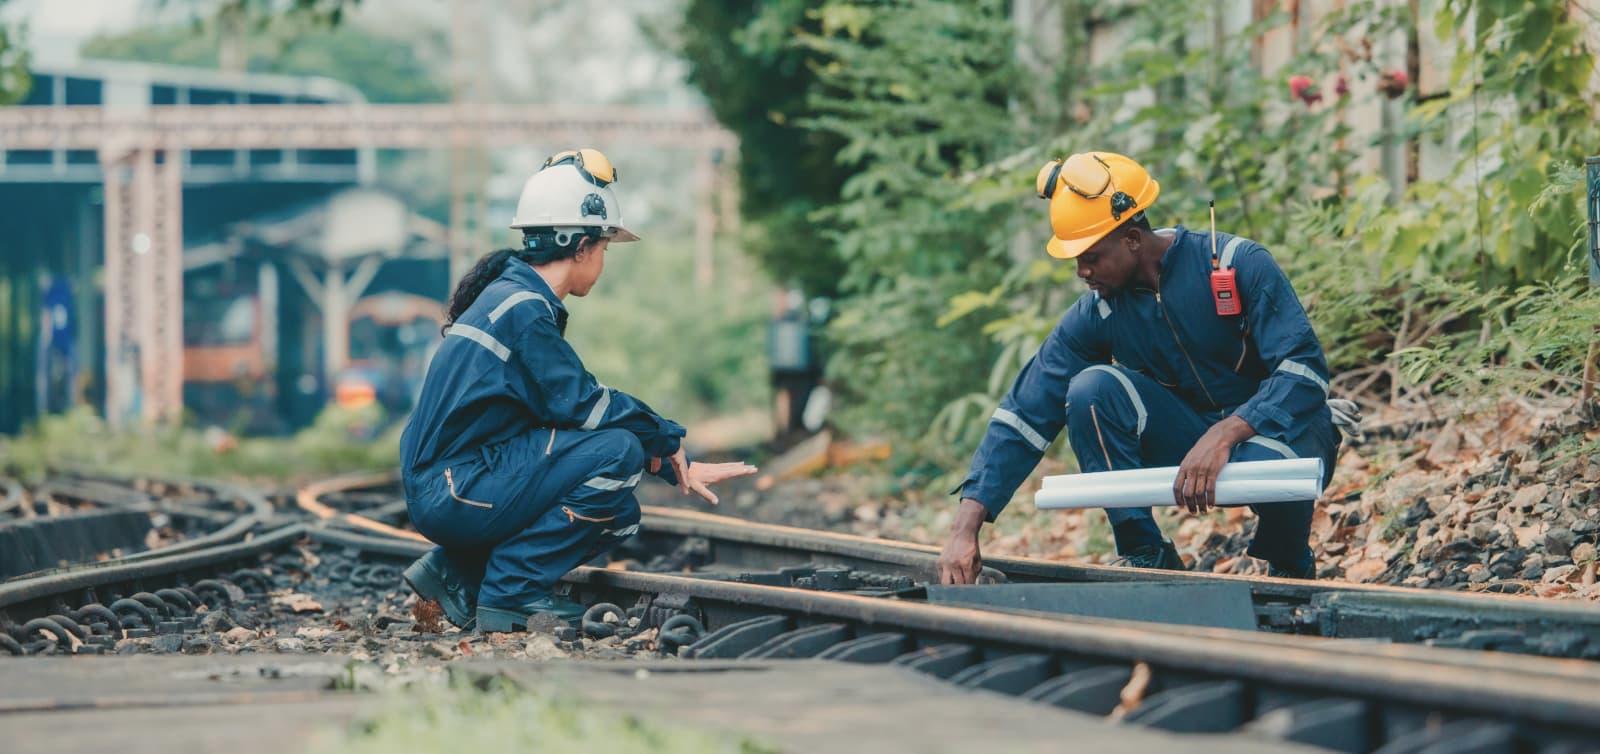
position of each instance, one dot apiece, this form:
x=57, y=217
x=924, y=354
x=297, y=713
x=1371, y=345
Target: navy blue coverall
x=1136, y=378
x=516, y=461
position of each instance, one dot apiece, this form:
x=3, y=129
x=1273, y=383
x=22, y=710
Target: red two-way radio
x=1224, y=287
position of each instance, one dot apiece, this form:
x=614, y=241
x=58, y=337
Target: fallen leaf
x=1133, y=693
x=1531, y=495
x=297, y=602
x=428, y=615
x=1365, y=570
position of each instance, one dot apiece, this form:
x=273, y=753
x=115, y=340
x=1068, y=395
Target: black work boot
x=1307, y=572
x=503, y=620
x=432, y=578
x=1163, y=556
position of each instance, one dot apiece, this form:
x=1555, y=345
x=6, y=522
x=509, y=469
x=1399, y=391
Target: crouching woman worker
x=516, y=462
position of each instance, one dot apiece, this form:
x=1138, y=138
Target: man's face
x=1110, y=264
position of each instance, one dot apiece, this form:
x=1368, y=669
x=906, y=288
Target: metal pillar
x=143, y=286
x=1591, y=167
x=166, y=294
x=335, y=294
x=122, y=382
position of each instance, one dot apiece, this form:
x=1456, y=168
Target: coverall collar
x=1178, y=233
x=523, y=274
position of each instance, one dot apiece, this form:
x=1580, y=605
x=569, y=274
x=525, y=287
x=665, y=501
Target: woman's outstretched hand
x=698, y=477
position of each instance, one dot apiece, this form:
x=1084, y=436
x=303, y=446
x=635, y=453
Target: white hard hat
x=572, y=192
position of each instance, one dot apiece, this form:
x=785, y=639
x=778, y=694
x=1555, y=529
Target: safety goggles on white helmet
x=572, y=194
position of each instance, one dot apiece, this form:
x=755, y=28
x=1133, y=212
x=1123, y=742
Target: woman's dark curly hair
x=538, y=247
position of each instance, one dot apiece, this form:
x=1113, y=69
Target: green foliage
x=915, y=90
x=505, y=718
x=645, y=330
x=333, y=444
x=14, y=79
x=946, y=110
x=1534, y=339
x=261, y=13
x=383, y=68
x=756, y=84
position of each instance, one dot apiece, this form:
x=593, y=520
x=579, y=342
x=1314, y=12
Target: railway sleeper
x=1168, y=699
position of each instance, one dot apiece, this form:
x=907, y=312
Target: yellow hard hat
x=1090, y=194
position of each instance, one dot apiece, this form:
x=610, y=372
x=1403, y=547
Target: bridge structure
x=141, y=152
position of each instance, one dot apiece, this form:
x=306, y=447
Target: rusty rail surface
x=1342, y=695
x=681, y=539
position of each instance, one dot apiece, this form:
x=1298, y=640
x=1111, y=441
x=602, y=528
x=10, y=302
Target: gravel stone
x=167, y=643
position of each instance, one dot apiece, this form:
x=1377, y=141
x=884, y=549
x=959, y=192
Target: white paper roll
x=1288, y=468
x=1242, y=483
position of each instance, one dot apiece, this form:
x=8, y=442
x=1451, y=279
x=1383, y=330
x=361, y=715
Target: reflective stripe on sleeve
x=1301, y=370
x=612, y=485
x=1133, y=394
x=1015, y=422
x=1231, y=249
x=599, y=411
x=1278, y=446
x=517, y=298
x=483, y=339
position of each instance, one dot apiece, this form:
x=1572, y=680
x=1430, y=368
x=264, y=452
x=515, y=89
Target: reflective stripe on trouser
x=557, y=500
x=1103, y=423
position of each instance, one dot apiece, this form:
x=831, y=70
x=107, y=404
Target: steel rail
x=10, y=495
x=1323, y=608
x=20, y=598
x=308, y=498
x=1196, y=679
x=1209, y=680
x=258, y=511
x=1327, y=608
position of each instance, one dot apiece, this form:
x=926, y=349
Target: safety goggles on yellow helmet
x=1103, y=190
x=1085, y=173
x=591, y=163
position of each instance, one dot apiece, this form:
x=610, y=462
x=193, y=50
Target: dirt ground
x=1504, y=500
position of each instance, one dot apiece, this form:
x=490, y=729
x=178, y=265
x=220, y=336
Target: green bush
x=1464, y=276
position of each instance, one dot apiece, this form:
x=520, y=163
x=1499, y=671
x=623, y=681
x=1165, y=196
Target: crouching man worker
x=516, y=462
x=1161, y=363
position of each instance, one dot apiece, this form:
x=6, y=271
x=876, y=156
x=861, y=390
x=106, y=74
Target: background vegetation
x=1458, y=286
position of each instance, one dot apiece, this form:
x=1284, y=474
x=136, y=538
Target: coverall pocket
x=574, y=516
x=455, y=494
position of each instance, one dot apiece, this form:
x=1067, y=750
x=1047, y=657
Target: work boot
x=1308, y=572
x=502, y=620
x=432, y=578
x=1163, y=556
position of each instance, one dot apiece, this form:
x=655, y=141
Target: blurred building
x=266, y=231
x=334, y=298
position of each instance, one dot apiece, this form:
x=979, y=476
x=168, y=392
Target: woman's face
x=588, y=264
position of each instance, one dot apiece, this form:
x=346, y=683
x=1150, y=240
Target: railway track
x=720, y=547
x=862, y=602
x=81, y=518
x=673, y=539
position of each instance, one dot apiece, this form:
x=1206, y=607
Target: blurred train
x=253, y=348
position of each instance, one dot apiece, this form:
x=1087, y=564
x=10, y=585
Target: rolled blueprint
x=1288, y=468
x=1241, y=483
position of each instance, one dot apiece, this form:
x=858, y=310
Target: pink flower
x=1298, y=85
x=1393, y=83
x=1301, y=88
